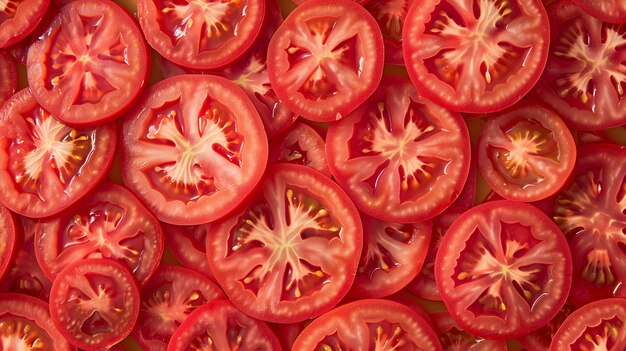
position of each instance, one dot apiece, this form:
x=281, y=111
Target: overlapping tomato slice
x=453, y=338
x=188, y=245
x=18, y=18
x=8, y=76
x=300, y=145
x=390, y=15
x=612, y=11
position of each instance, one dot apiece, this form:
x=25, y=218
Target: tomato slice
x=393, y=254
x=194, y=149
x=292, y=252
x=362, y=2
x=526, y=153
x=452, y=337
x=503, y=269
x=300, y=145
x=188, y=245
x=391, y=15
x=48, y=166
x=8, y=238
x=8, y=77
x=584, y=79
x=612, y=11
x=326, y=59
x=110, y=223
x=541, y=338
x=475, y=56
x=399, y=157
x=369, y=325
x=201, y=34
x=18, y=18
x=25, y=324
x=90, y=65
x=94, y=303
x=590, y=212
x=600, y=325
x=166, y=301
x=218, y=325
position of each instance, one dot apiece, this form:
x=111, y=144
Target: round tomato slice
x=393, y=254
x=8, y=238
x=45, y=165
x=591, y=213
x=541, y=338
x=292, y=252
x=503, y=269
x=612, y=11
x=326, y=59
x=399, y=157
x=585, y=78
x=194, y=148
x=218, y=325
x=300, y=145
x=18, y=18
x=166, y=301
x=475, y=56
x=25, y=324
x=201, y=34
x=600, y=325
x=8, y=77
x=391, y=15
x=526, y=153
x=188, y=245
x=452, y=337
x=94, y=303
x=110, y=223
x=91, y=63
x=369, y=325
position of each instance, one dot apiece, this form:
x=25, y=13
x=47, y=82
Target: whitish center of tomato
x=20, y=334
x=166, y=310
x=255, y=80
x=8, y=9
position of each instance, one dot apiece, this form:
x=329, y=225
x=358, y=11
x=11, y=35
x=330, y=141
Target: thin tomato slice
x=194, y=148
x=91, y=63
x=400, y=158
x=8, y=77
x=18, y=18
x=503, y=270
x=452, y=337
x=8, y=239
x=48, y=166
x=612, y=11
x=391, y=15
x=301, y=145
x=475, y=56
x=188, y=245
x=326, y=59
x=292, y=252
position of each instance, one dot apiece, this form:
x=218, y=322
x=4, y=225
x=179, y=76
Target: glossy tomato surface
x=18, y=18
x=391, y=15
x=8, y=239
x=452, y=337
x=188, y=245
x=612, y=11
x=300, y=145
x=8, y=77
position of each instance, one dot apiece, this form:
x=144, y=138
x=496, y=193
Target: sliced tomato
x=475, y=56
x=369, y=325
x=292, y=252
x=452, y=337
x=90, y=65
x=585, y=78
x=218, y=325
x=600, y=325
x=541, y=338
x=591, y=137
x=110, y=223
x=188, y=244
x=46, y=165
x=94, y=303
x=25, y=324
x=8, y=239
x=468, y=195
x=201, y=34
x=393, y=254
x=194, y=148
x=18, y=18
x=409, y=300
x=391, y=15
x=301, y=145
x=399, y=157
x=326, y=59
x=526, y=153
x=166, y=301
x=357, y=1
x=612, y=11
x=8, y=77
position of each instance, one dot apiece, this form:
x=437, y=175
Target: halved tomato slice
x=390, y=15
x=110, y=223
x=612, y=11
x=8, y=77
x=46, y=165
x=475, y=56
x=292, y=252
x=91, y=63
x=452, y=337
x=503, y=270
x=18, y=18
x=300, y=145
x=400, y=158
x=194, y=148
x=326, y=59
x=188, y=245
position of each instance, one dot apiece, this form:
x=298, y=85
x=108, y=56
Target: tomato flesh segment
x=301, y=145
x=188, y=244
x=612, y=11
x=8, y=76
x=8, y=239
x=390, y=15
x=452, y=337
x=18, y=18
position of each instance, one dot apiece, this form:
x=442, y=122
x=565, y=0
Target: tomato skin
x=188, y=245
x=612, y=11
x=8, y=76
x=26, y=15
x=8, y=240
x=452, y=337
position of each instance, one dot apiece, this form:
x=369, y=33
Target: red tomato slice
x=188, y=245
x=613, y=11
x=168, y=298
x=393, y=254
x=468, y=195
x=585, y=78
x=25, y=324
x=369, y=325
x=110, y=223
x=94, y=303
x=326, y=59
x=590, y=212
x=90, y=65
x=526, y=153
x=390, y=15
x=194, y=148
x=201, y=34
x=406, y=298
x=600, y=325
x=46, y=165
x=503, y=269
x=362, y=2
x=399, y=157
x=8, y=77
x=300, y=145
x=218, y=325
x=8, y=238
x=18, y=18
x=541, y=338
x=475, y=56
x=452, y=337
x=292, y=252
